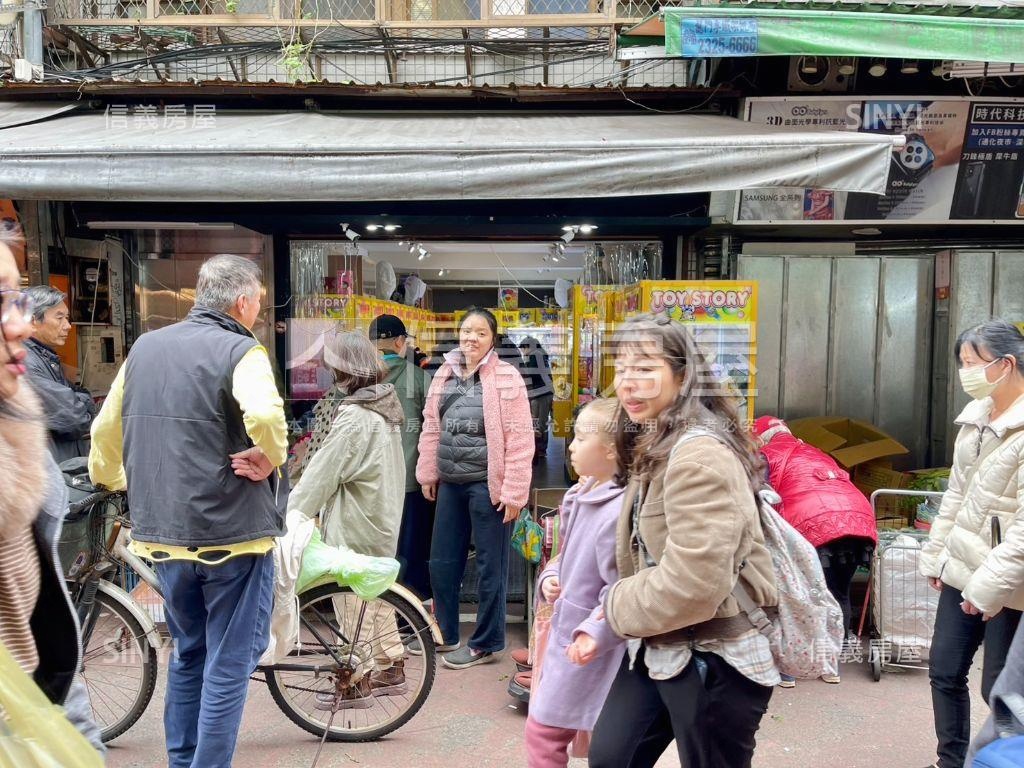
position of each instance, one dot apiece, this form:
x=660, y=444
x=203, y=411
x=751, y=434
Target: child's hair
x=702, y=401
x=607, y=410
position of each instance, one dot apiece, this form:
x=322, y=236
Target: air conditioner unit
x=818, y=74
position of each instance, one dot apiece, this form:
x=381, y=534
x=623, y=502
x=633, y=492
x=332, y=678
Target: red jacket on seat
x=818, y=498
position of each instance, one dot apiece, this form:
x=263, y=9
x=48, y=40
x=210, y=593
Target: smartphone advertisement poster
x=963, y=161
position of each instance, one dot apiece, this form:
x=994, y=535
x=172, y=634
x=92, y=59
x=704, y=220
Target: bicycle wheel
x=119, y=667
x=344, y=643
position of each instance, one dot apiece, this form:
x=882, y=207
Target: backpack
x=1008, y=750
x=807, y=635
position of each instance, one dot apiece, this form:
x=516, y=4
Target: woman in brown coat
x=697, y=670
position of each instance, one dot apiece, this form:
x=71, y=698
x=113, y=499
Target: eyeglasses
x=12, y=299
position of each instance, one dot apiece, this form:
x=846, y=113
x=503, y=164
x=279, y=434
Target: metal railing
x=397, y=14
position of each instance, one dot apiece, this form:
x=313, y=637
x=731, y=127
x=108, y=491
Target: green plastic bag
x=369, y=577
x=528, y=537
x=34, y=733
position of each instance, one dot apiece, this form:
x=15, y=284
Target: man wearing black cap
x=411, y=384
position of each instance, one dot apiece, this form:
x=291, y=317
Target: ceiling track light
x=910, y=67
x=878, y=68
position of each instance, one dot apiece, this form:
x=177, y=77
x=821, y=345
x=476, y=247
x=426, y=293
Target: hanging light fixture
x=809, y=65
x=847, y=65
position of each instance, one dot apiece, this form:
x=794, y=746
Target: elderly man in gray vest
x=69, y=408
x=195, y=427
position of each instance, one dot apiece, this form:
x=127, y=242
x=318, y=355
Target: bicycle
x=326, y=685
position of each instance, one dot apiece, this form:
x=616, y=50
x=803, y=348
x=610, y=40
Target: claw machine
x=549, y=325
x=592, y=323
x=722, y=314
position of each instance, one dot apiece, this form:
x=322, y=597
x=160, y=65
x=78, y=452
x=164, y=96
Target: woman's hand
x=551, y=589
x=429, y=491
x=972, y=610
x=510, y=511
x=935, y=584
x=583, y=649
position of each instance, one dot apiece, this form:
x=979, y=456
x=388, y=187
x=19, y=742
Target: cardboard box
x=848, y=441
x=862, y=449
x=891, y=523
x=872, y=476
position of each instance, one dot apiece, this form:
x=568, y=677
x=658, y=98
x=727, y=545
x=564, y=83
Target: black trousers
x=414, y=539
x=956, y=640
x=840, y=560
x=713, y=720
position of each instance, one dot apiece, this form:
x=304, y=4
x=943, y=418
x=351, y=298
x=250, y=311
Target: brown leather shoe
x=390, y=681
x=521, y=656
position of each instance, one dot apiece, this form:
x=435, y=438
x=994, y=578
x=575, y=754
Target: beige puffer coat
x=987, y=481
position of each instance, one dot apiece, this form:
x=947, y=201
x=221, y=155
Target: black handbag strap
x=457, y=395
x=1008, y=714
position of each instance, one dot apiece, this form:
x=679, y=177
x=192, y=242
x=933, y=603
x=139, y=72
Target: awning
x=281, y=156
x=982, y=33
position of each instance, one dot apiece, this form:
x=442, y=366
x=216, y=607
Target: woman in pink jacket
x=476, y=453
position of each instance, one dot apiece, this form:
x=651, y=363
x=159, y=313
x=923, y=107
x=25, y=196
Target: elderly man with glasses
x=69, y=408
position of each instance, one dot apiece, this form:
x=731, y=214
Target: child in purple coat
x=583, y=654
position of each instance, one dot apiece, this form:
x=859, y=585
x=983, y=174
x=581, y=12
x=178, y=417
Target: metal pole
x=32, y=32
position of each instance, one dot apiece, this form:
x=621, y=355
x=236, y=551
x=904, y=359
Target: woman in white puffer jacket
x=975, y=553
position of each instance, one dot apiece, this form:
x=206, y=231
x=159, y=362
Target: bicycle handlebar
x=76, y=507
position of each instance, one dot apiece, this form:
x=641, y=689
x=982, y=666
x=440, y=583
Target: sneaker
x=415, y=648
x=466, y=657
x=359, y=696
x=830, y=679
x=787, y=682
x=524, y=679
x=390, y=681
x=521, y=657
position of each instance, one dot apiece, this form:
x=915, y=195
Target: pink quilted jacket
x=507, y=424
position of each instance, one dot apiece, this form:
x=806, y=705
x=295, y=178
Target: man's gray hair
x=44, y=298
x=224, y=278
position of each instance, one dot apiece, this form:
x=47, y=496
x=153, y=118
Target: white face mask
x=976, y=384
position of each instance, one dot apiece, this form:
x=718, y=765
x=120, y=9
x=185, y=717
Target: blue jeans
x=465, y=511
x=219, y=620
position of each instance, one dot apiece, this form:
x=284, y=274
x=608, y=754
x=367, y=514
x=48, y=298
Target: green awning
x=994, y=34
